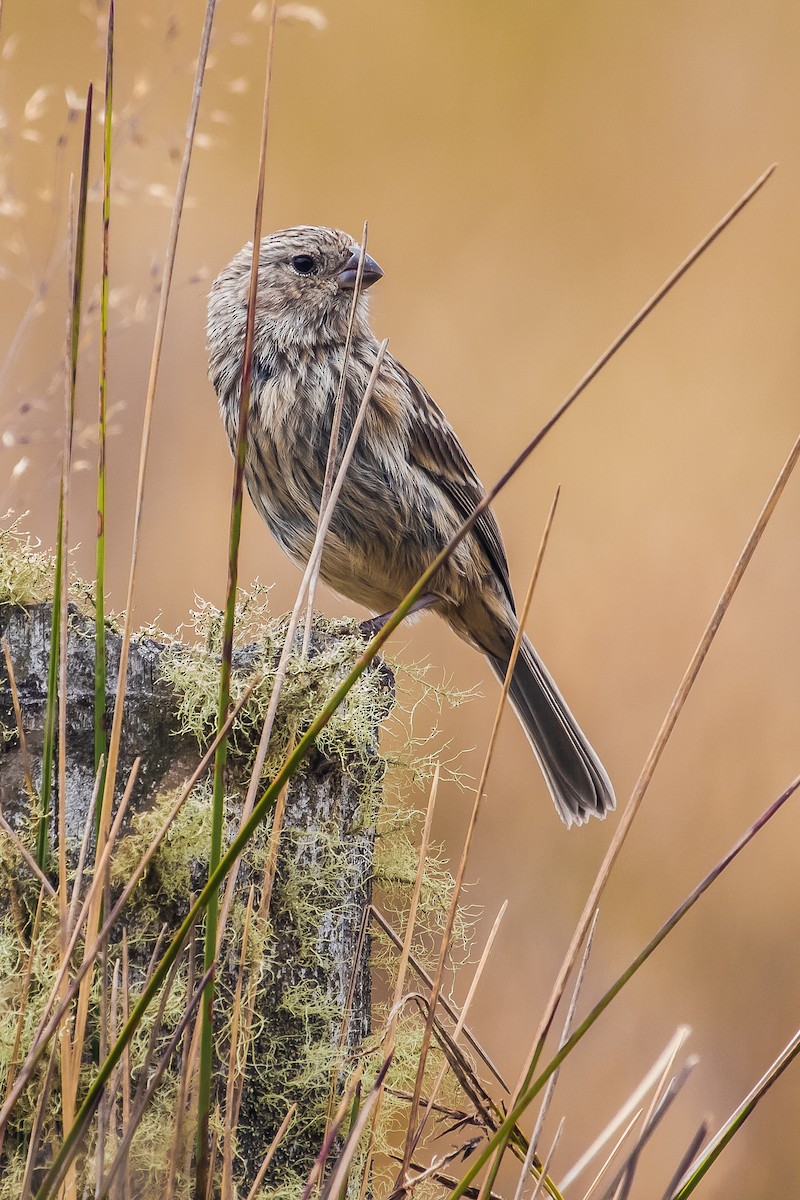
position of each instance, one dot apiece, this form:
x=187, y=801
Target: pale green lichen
x=349, y=736
x=26, y=571
x=395, y=869
x=185, y=843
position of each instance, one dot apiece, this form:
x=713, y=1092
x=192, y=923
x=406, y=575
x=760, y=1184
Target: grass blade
x=58, y=645
x=153, y=1081
x=738, y=1118
x=223, y=701
x=147, y=424
x=414, y=1133
x=100, y=745
x=268, y=1157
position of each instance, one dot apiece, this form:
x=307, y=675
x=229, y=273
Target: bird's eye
x=304, y=264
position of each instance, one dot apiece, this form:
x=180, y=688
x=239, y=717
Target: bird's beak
x=347, y=276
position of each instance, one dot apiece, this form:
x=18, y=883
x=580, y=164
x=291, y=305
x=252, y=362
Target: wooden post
x=312, y=955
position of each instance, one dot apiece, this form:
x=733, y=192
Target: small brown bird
x=409, y=486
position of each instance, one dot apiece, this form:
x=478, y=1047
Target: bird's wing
x=436, y=450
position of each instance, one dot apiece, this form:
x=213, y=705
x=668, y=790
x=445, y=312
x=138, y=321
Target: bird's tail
x=575, y=776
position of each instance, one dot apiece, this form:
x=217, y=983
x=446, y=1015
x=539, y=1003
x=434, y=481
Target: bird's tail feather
x=575, y=776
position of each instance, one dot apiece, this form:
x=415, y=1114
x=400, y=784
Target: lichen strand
x=349, y=737
x=26, y=572
x=321, y=889
x=395, y=869
x=24, y=992
x=20, y=997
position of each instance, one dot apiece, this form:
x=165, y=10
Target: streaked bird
x=409, y=487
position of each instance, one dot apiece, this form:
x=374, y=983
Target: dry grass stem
x=580, y=387
x=25, y=992
x=615, y=1150
x=400, y=982
x=523, y=618
x=545, y=1171
x=126, y=1057
x=268, y=1157
x=251, y=995
x=414, y=902
x=551, y=1083
x=208, y=1192
x=26, y=856
x=444, y=1003
x=411, y=1135
x=346, y=1011
x=42, y=1102
x=184, y=1080
x=283, y=661
x=108, y=1032
x=333, y=444
x=337, y=1180
x=272, y=860
x=473, y=987
x=204, y=1171
x=345, y=1104
x=688, y=1157
x=311, y=566
x=23, y=745
x=97, y=888
x=235, y=1075
x=652, y=1079
x=620, y=1187
x=272, y=851
x=662, y=1087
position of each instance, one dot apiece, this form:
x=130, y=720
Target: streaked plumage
x=409, y=486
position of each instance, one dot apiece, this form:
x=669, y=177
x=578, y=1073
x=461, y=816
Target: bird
x=409, y=486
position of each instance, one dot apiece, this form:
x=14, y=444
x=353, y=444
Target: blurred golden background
x=530, y=173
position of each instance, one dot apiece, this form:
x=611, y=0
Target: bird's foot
x=375, y=624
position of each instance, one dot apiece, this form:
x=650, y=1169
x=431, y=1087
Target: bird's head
x=306, y=277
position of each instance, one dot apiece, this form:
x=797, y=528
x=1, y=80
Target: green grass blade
x=223, y=701
x=100, y=739
x=737, y=1119
x=51, y=704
